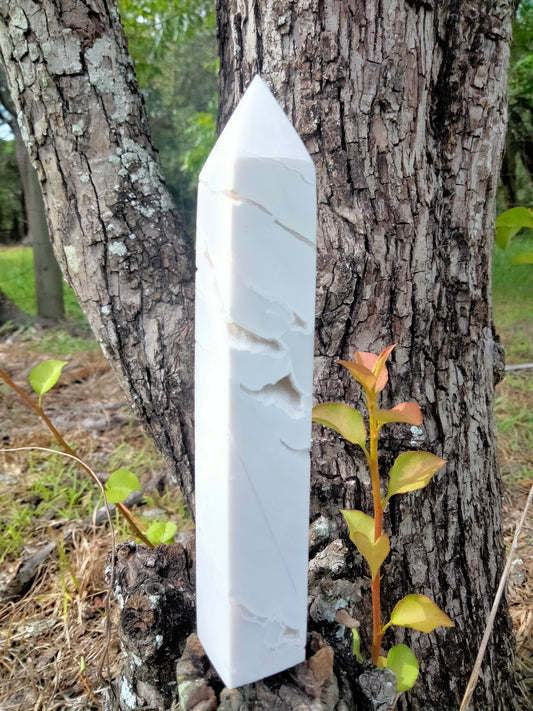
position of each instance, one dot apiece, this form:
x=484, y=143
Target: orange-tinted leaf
x=412, y=471
x=359, y=522
x=382, y=380
x=343, y=419
x=376, y=364
x=380, y=370
x=365, y=359
x=363, y=375
x=419, y=613
x=373, y=553
x=408, y=412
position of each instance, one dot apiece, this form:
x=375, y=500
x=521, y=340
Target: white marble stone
x=255, y=298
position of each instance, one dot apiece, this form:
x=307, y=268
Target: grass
x=514, y=417
x=139, y=456
x=49, y=491
x=57, y=343
x=14, y=530
x=512, y=295
x=61, y=490
x=18, y=283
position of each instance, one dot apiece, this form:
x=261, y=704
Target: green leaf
x=373, y=552
x=419, y=613
x=407, y=412
x=343, y=419
x=45, y=375
x=523, y=258
x=412, y=471
x=359, y=522
x=362, y=529
x=403, y=663
x=120, y=485
x=510, y=222
x=161, y=532
x=356, y=649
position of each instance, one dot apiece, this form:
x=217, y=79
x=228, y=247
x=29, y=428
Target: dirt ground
x=53, y=634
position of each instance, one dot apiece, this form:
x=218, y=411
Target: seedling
x=410, y=471
x=120, y=484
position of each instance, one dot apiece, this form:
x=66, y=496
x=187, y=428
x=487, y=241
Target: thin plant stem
x=497, y=599
x=134, y=524
x=374, y=467
x=377, y=631
x=38, y=409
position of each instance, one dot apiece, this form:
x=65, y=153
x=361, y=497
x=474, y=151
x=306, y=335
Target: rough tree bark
x=401, y=105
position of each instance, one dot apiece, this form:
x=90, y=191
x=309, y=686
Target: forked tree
x=401, y=105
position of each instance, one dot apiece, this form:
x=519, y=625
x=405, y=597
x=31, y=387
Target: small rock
x=154, y=514
x=517, y=576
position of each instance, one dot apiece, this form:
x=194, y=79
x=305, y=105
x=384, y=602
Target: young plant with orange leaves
x=410, y=471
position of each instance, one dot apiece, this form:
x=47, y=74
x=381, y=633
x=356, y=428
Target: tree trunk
x=10, y=312
x=508, y=173
x=402, y=107
x=48, y=276
x=156, y=593
x=23, y=163
x=116, y=234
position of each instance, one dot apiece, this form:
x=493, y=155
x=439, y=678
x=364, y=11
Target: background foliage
x=11, y=205
x=517, y=169
x=173, y=45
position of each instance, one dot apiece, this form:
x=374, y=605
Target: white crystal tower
x=255, y=296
